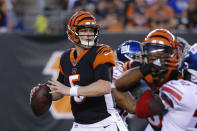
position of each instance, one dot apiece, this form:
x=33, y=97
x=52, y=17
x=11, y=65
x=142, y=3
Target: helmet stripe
x=78, y=17
x=85, y=18
x=71, y=19
x=161, y=37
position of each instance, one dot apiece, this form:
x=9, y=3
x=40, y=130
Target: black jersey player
x=85, y=75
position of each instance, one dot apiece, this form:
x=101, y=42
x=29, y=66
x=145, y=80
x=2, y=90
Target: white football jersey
x=117, y=72
x=180, y=99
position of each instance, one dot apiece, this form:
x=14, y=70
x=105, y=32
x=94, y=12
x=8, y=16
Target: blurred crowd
x=119, y=15
x=141, y=15
x=8, y=19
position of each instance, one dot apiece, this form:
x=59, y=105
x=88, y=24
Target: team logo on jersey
x=74, y=71
x=60, y=109
x=74, y=63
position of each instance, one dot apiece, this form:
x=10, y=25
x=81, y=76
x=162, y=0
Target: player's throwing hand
x=57, y=87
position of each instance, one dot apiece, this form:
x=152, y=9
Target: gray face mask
x=194, y=78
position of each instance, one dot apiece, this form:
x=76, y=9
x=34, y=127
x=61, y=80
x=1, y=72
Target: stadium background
x=32, y=37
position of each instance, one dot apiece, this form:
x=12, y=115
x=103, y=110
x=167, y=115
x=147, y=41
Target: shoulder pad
x=104, y=54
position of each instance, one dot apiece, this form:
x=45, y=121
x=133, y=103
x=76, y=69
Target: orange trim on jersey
x=167, y=76
x=102, y=50
x=126, y=66
x=72, y=58
x=150, y=79
x=105, y=55
x=130, y=64
x=172, y=92
x=63, y=105
x=61, y=70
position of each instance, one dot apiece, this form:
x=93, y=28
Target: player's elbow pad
x=142, y=108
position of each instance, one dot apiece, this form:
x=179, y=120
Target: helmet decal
x=129, y=50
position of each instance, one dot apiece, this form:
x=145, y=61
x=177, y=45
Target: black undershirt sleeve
x=103, y=72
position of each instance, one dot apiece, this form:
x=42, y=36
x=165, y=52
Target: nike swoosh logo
x=108, y=53
x=106, y=126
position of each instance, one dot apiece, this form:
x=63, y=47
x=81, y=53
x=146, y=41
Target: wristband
x=74, y=91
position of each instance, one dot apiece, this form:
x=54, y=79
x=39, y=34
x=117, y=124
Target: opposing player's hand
x=33, y=90
x=149, y=68
x=171, y=63
x=57, y=87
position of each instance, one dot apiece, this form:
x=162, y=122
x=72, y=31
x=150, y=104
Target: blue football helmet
x=129, y=50
x=189, y=63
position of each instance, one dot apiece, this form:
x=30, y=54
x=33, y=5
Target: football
x=41, y=100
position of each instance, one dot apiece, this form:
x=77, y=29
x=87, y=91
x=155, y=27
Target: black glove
x=135, y=64
x=149, y=68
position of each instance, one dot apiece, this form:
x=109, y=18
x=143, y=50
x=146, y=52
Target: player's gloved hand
x=149, y=68
x=135, y=64
x=170, y=63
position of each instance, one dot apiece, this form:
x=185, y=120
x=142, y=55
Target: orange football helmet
x=160, y=47
x=81, y=20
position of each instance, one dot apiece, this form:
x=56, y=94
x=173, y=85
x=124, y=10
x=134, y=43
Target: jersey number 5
x=72, y=80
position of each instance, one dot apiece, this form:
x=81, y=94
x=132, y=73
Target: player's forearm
x=97, y=88
x=130, y=104
x=57, y=96
x=128, y=79
x=125, y=101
